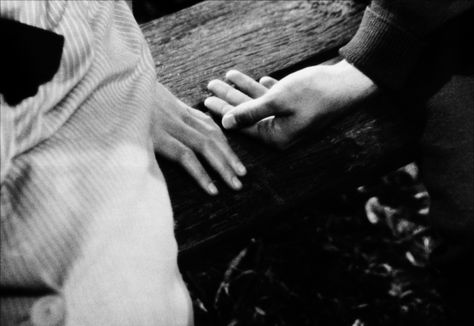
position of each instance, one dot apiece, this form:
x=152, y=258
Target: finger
x=203, y=123
x=221, y=107
x=246, y=84
x=210, y=129
x=192, y=165
x=209, y=149
x=198, y=114
x=227, y=92
x=232, y=158
x=217, y=106
x=174, y=150
x=248, y=113
x=268, y=129
x=268, y=81
x=275, y=131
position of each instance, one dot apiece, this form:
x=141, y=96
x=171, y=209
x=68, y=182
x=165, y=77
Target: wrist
x=354, y=82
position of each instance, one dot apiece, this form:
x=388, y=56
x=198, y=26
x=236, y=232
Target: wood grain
x=202, y=42
x=260, y=37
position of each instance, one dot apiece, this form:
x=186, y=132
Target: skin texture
x=281, y=112
x=185, y=135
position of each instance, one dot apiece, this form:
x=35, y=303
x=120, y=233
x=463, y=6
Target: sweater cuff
x=382, y=50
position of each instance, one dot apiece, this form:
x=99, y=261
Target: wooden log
x=202, y=42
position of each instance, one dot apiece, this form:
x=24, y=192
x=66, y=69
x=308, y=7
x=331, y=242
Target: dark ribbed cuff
x=382, y=50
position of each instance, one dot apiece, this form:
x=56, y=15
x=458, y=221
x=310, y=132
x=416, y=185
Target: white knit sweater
x=85, y=213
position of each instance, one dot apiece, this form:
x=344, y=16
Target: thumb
x=248, y=113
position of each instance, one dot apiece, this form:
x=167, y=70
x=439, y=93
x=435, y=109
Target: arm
x=381, y=55
x=390, y=38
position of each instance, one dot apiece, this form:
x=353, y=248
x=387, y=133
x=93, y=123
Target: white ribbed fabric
x=85, y=211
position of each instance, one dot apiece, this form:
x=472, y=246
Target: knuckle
x=207, y=119
x=209, y=144
x=209, y=131
x=219, y=135
x=241, y=116
x=214, y=129
x=228, y=92
x=187, y=118
x=185, y=155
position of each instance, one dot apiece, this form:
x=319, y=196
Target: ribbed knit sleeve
x=383, y=51
x=390, y=39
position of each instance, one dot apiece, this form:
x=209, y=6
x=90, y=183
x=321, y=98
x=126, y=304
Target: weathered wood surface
x=200, y=43
x=262, y=37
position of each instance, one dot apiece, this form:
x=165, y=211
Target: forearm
x=392, y=34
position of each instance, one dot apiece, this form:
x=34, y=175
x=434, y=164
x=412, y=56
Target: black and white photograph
x=236, y=162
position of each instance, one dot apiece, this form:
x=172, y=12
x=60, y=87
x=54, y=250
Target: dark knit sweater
x=392, y=34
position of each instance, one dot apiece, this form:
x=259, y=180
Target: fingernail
x=212, y=189
x=241, y=170
x=237, y=184
x=228, y=121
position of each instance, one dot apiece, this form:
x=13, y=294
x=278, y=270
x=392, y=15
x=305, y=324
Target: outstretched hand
x=280, y=112
x=183, y=134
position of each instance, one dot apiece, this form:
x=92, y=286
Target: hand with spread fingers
x=183, y=134
x=280, y=112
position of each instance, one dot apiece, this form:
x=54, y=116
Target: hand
x=280, y=112
x=181, y=134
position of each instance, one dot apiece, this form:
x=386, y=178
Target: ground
x=327, y=266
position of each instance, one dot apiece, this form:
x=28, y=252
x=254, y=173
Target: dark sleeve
x=392, y=34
